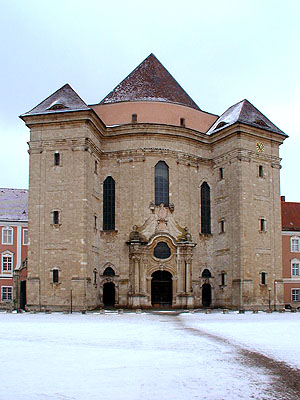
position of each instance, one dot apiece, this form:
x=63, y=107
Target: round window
x=162, y=250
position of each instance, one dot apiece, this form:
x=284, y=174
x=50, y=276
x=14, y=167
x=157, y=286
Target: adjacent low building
x=290, y=215
x=13, y=243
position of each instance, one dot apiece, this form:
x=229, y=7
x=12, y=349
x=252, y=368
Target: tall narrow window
x=263, y=278
x=134, y=118
x=55, y=275
x=205, y=208
x=221, y=173
x=55, y=217
x=109, y=204
x=223, y=278
x=162, y=184
x=262, y=225
x=56, y=158
x=182, y=122
x=260, y=171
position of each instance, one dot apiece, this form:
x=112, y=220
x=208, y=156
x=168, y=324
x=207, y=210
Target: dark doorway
x=206, y=295
x=109, y=294
x=161, y=289
x=22, y=295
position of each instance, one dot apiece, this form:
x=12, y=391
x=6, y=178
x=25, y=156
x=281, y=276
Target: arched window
x=206, y=273
x=162, y=250
x=109, y=272
x=109, y=204
x=205, y=208
x=161, y=184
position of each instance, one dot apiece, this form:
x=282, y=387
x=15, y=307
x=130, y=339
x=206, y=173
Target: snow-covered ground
x=146, y=356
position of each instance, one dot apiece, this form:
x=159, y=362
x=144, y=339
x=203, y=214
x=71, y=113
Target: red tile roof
x=150, y=81
x=290, y=216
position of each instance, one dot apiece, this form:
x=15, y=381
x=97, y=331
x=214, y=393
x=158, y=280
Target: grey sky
x=219, y=51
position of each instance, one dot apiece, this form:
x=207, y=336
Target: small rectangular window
x=221, y=173
x=7, y=236
x=223, y=279
x=6, y=263
x=25, y=236
x=295, y=244
x=182, y=121
x=260, y=171
x=6, y=293
x=55, y=275
x=134, y=118
x=295, y=269
x=96, y=167
x=295, y=294
x=222, y=226
x=263, y=279
x=262, y=225
x=56, y=158
x=55, y=217
x=95, y=222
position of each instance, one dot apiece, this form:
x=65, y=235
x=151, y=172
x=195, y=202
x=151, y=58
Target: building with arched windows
x=145, y=200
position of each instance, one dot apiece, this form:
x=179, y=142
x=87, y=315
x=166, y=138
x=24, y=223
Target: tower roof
x=64, y=99
x=245, y=113
x=150, y=81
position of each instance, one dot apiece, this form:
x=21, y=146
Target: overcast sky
x=219, y=51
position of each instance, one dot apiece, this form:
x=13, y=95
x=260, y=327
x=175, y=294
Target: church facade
x=144, y=200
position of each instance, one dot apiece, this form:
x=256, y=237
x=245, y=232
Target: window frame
x=161, y=183
x=25, y=243
x=55, y=275
x=109, y=204
x=8, y=229
x=263, y=278
x=205, y=208
x=11, y=293
x=7, y=272
x=292, y=245
x=261, y=173
x=295, y=297
x=262, y=224
x=57, y=159
x=295, y=261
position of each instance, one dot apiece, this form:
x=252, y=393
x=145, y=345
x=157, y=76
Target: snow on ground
x=140, y=356
x=274, y=335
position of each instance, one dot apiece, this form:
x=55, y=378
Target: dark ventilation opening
x=109, y=272
x=109, y=294
x=22, y=295
x=206, y=274
x=162, y=250
x=161, y=289
x=206, y=295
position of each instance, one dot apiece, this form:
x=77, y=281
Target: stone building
x=145, y=200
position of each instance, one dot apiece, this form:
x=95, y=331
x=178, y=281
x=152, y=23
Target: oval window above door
x=162, y=250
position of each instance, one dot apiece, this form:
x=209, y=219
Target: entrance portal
x=206, y=295
x=22, y=295
x=109, y=294
x=161, y=289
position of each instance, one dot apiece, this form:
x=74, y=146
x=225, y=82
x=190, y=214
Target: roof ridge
x=150, y=81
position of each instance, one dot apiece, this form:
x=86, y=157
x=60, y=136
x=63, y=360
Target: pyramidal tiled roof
x=150, y=81
x=245, y=113
x=13, y=204
x=64, y=99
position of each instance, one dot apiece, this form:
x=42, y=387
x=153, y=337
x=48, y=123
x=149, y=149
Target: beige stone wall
x=79, y=249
